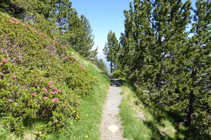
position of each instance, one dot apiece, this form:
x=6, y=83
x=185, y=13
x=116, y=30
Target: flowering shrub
x=81, y=83
x=34, y=72
x=29, y=97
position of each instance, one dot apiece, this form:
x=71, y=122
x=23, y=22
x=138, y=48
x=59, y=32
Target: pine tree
x=198, y=69
x=101, y=65
x=74, y=28
x=162, y=38
x=127, y=42
x=111, y=50
x=176, y=71
x=86, y=41
x=60, y=14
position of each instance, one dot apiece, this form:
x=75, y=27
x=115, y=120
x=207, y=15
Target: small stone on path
x=113, y=128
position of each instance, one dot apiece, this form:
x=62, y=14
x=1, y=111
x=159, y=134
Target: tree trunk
x=190, y=111
x=190, y=105
x=111, y=66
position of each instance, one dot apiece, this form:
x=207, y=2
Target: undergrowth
x=41, y=84
x=87, y=127
x=141, y=121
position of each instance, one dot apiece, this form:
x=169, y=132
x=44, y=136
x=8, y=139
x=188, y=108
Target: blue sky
x=104, y=15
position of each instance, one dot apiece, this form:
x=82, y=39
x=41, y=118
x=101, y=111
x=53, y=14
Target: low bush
x=34, y=70
x=119, y=74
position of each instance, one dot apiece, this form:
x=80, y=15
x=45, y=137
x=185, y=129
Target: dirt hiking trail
x=111, y=128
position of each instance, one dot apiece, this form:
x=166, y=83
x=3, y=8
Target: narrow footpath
x=111, y=128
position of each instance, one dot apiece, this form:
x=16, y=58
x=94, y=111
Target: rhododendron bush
x=38, y=79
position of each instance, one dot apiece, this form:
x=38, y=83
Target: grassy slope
x=87, y=127
x=152, y=127
x=92, y=106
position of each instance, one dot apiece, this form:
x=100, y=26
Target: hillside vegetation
x=40, y=80
x=165, y=51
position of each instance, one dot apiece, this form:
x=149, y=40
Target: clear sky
x=104, y=15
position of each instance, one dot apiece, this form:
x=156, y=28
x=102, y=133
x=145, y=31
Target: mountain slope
x=40, y=81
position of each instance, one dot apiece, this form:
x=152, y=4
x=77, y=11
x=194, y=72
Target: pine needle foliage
x=171, y=69
x=111, y=50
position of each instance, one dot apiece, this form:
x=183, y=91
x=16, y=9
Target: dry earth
x=111, y=128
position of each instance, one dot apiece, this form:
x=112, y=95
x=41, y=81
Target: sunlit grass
x=135, y=127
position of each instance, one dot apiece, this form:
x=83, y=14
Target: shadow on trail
x=114, y=81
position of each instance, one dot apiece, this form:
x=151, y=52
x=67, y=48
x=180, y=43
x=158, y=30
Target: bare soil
x=111, y=110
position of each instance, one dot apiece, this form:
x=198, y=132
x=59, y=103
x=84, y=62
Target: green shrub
x=34, y=71
x=26, y=94
x=119, y=74
x=81, y=83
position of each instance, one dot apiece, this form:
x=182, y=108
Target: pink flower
x=45, y=97
x=46, y=90
x=50, y=86
x=45, y=78
x=41, y=80
x=13, y=76
x=55, y=88
x=50, y=82
x=26, y=29
x=74, y=63
x=19, y=85
x=52, y=92
x=10, y=100
x=4, y=70
x=33, y=94
x=59, y=91
x=45, y=36
x=79, y=100
x=54, y=100
x=4, y=60
x=65, y=105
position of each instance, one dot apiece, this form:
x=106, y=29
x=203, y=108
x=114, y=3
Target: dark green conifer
x=111, y=50
x=86, y=41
